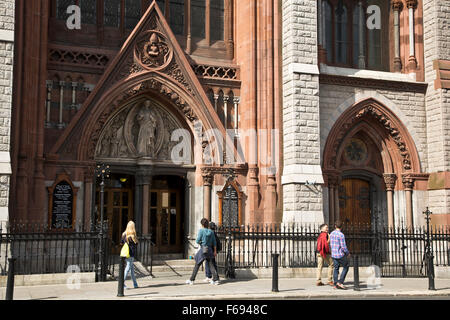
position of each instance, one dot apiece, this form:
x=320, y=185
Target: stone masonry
x=6, y=71
x=302, y=192
x=437, y=101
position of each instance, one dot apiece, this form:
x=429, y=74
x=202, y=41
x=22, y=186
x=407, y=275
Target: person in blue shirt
x=340, y=255
x=207, y=252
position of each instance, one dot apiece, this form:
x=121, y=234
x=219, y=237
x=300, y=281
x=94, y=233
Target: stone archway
x=393, y=151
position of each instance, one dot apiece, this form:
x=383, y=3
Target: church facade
x=238, y=111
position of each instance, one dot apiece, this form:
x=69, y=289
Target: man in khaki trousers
x=324, y=254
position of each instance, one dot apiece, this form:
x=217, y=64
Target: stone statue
x=153, y=48
x=147, y=131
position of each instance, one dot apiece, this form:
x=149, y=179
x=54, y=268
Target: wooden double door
x=166, y=220
x=354, y=201
x=118, y=211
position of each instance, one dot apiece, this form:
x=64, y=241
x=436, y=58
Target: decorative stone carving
x=383, y=119
x=397, y=5
x=389, y=180
x=139, y=130
x=408, y=182
x=152, y=50
x=411, y=4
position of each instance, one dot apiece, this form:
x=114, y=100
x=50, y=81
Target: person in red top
x=324, y=254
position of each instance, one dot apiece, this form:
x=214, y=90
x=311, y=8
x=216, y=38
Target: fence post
x=356, y=273
x=10, y=281
x=121, y=280
x=275, y=272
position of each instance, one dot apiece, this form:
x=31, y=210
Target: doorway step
x=172, y=268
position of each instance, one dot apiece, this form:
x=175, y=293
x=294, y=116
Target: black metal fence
x=398, y=252
x=38, y=250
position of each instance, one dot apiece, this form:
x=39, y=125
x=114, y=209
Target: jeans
x=208, y=270
x=208, y=261
x=338, y=263
x=130, y=267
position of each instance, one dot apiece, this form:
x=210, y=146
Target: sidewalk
x=176, y=289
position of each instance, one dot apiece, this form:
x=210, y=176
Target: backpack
x=218, y=243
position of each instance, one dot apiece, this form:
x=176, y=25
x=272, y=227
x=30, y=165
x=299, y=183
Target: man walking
x=340, y=254
x=324, y=254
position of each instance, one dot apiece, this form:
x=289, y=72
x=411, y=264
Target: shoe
x=334, y=287
x=341, y=286
x=215, y=283
x=319, y=284
x=189, y=282
x=331, y=283
x=207, y=280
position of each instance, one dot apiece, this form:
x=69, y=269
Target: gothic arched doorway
x=367, y=155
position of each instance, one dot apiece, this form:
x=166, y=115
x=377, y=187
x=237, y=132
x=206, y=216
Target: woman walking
x=129, y=237
x=207, y=252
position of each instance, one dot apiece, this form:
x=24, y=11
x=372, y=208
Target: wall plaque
x=230, y=205
x=62, y=204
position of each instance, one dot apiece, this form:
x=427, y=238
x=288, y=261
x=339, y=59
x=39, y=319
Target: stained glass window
x=61, y=8
x=132, y=13
x=88, y=11
x=177, y=16
x=217, y=19
x=198, y=18
x=161, y=5
x=112, y=13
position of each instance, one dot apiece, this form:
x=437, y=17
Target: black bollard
x=275, y=272
x=430, y=272
x=356, y=273
x=121, y=281
x=10, y=281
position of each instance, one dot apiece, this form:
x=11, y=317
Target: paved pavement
x=174, y=288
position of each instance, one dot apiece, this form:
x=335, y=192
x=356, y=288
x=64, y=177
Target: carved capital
x=411, y=4
x=408, y=182
x=397, y=5
x=208, y=176
x=389, y=180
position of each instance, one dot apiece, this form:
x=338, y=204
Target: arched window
x=132, y=13
x=217, y=20
x=176, y=16
x=341, y=34
x=198, y=18
x=348, y=42
x=88, y=11
x=112, y=13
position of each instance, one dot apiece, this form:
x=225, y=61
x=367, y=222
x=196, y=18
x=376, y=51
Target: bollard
x=430, y=272
x=356, y=273
x=10, y=281
x=275, y=272
x=121, y=281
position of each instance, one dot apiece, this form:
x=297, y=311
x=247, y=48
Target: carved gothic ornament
x=140, y=130
x=152, y=50
x=389, y=180
x=411, y=4
x=397, y=5
x=372, y=112
x=408, y=181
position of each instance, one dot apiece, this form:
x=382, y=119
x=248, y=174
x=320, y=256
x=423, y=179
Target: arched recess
x=394, y=145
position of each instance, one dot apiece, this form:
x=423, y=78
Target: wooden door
x=165, y=221
x=118, y=211
x=354, y=201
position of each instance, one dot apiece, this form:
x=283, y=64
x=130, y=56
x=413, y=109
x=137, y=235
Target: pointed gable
x=150, y=60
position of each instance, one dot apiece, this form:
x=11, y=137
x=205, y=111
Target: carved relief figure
x=147, y=132
x=152, y=51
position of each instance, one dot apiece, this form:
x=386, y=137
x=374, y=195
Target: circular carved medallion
x=355, y=152
x=152, y=51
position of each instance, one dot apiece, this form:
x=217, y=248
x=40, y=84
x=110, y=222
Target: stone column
x=397, y=6
x=236, y=102
x=412, y=61
x=188, y=27
x=225, y=111
x=61, y=104
x=208, y=178
x=331, y=201
x=88, y=196
x=389, y=180
x=229, y=29
x=408, y=183
x=49, y=84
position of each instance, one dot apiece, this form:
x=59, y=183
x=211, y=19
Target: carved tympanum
x=140, y=130
x=152, y=50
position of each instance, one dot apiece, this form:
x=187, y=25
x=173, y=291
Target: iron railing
x=398, y=252
x=38, y=250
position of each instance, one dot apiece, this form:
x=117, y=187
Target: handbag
x=125, y=252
